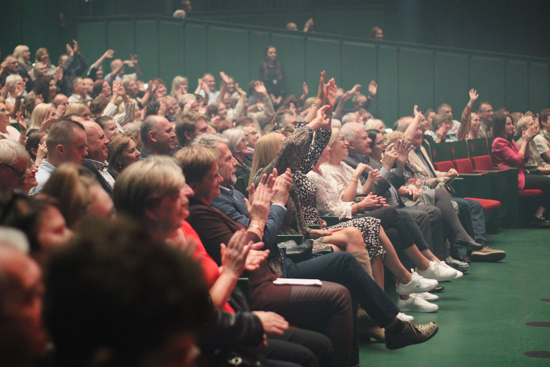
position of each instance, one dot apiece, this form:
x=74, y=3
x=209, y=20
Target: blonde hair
x=70, y=185
x=333, y=136
x=76, y=107
x=39, y=115
x=176, y=84
x=142, y=184
x=18, y=54
x=265, y=151
x=523, y=123
x=393, y=137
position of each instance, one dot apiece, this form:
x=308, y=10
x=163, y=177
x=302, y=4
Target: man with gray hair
x=16, y=170
x=231, y=202
x=158, y=137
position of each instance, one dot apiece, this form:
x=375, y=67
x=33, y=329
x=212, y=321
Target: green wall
x=407, y=74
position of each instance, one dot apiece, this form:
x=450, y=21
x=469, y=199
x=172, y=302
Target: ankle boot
x=364, y=259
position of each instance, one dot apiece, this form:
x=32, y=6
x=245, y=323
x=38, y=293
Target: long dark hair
x=42, y=87
x=266, y=67
x=499, y=125
x=372, y=133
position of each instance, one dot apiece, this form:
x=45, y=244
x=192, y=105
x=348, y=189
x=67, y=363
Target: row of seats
x=496, y=188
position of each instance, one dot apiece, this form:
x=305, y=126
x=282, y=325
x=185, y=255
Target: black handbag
x=295, y=252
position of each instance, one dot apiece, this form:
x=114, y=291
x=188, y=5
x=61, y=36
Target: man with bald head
x=96, y=162
x=23, y=338
x=158, y=136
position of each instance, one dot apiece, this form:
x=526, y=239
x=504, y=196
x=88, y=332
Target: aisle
x=482, y=316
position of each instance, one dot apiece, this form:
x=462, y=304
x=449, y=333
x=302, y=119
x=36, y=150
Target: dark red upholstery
x=444, y=166
x=464, y=165
x=482, y=163
x=487, y=204
x=530, y=192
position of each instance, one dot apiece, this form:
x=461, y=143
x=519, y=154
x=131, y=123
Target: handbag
x=295, y=252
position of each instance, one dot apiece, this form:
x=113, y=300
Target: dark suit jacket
x=90, y=167
x=215, y=228
x=233, y=206
x=381, y=187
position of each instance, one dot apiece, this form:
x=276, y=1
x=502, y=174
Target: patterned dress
x=300, y=153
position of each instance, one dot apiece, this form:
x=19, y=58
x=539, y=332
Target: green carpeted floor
x=482, y=316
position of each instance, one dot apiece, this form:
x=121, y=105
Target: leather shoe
x=487, y=255
x=411, y=334
x=469, y=245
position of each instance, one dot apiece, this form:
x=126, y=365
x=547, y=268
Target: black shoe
x=469, y=245
x=541, y=222
x=438, y=289
x=455, y=254
x=411, y=334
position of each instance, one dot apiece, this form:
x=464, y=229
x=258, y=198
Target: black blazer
x=90, y=167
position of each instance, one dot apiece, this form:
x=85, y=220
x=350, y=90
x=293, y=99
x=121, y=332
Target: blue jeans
x=472, y=218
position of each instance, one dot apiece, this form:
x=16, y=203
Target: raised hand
x=331, y=89
x=321, y=88
x=70, y=50
x=361, y=167
x=389, y=158
x=75, y=47
x=374, y=176
x=258, y=211
x=21, y=122
x=20, y=89
x=373, y=88
x=356, y=89
x=305, y=89
x=402, y=148
x=321, y=120
x=224, y=77
x=41, y=153
x=109, y=54
x=281, y=188
x=134, y=59
x=233, y=256
x=242, y=93
x=259, y=87
x=255, y=257
x=473, y=96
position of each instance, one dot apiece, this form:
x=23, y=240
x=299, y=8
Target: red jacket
x=506, y=154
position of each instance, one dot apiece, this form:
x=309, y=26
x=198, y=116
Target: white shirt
x=342, y=176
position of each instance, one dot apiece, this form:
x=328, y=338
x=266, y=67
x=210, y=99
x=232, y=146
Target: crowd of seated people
x=105, y=180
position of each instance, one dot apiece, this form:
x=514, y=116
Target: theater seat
x=444, y=166
x=530, y=192
x=487, y=204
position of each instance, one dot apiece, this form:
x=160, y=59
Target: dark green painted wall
x=406, y=74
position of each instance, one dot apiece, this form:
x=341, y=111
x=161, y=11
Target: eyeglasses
x=253, y=133
x=22, y=174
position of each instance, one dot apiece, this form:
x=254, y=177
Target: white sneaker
x=416, y=304
x=417, y=284
x=404, y=317
x=428, y=296
x=459, y=274
x=438, y=272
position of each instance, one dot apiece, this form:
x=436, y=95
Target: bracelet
x=352, y=180
x=317, y=105
x=358, y=209
x=257, y=226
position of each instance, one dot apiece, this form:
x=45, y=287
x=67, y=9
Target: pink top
x=506, y=154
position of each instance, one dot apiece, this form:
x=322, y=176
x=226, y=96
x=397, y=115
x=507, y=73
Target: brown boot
x=367, y=328
x=364, y=259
